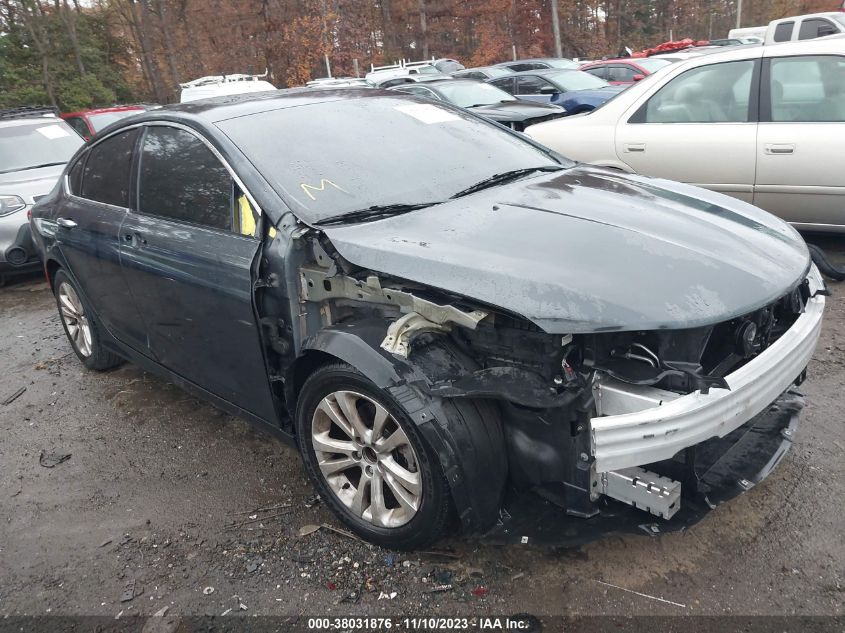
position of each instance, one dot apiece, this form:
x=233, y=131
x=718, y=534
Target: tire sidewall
x=435, y=498
x=91, y=361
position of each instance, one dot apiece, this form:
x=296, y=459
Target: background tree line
x=82, y=53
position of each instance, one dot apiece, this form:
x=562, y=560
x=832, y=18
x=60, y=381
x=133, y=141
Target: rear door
x=188, y=251
x=88, y=232
x=699, y=127
x=801, y=139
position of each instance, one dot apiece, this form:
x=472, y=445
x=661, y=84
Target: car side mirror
x=638, y=77
x=549, y=90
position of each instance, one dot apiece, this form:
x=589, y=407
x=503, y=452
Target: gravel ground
x=166, y=501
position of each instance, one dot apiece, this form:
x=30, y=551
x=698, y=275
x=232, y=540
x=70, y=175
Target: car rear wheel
x=369, y=461
x=80, y=325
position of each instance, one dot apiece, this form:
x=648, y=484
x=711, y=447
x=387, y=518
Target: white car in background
x=765, y=124
x=223, y=85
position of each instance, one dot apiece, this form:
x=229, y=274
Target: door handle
x=133, y=239
x=634, y=147
x=65, y=223
x=779, y=148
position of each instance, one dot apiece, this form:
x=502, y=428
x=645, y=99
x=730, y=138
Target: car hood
x=587, y=250
x=516, y=110
x=30, y=182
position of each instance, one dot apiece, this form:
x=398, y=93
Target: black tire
x=837, y=273
x=435, y=507
x=99, y=358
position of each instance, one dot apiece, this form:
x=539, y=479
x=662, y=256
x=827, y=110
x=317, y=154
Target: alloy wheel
x=74, y=318
x=366, y=459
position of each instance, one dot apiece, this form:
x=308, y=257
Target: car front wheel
x=369, y=461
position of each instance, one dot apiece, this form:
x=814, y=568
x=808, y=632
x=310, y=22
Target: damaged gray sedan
x=442, y=313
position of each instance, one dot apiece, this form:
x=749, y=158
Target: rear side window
x=783, y=31
x=106, y=175
x=808, y=89
x=181, y=179
x=816, y=27
x=75, y=175
x=598, y=71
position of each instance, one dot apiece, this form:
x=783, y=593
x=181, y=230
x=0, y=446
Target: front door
x=801, y=139
x=188, y=260
x=699, y=128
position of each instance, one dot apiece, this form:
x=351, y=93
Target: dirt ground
x=167, y=501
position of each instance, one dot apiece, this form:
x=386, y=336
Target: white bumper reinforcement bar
x=656, y=424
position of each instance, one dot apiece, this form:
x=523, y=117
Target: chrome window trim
x=160, y=123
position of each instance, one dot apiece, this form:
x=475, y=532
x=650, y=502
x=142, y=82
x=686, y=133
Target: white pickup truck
x=799, y=27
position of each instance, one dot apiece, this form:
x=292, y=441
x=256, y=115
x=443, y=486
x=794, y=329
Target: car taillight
x=28, y=215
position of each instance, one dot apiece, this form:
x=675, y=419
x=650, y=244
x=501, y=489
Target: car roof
x=120, y=108
x=488, y=66
x=216, y=109
x=543, y=71
x=615, y=60
x=434, y=83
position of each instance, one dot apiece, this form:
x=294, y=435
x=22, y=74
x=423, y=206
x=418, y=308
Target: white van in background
x=222, y=85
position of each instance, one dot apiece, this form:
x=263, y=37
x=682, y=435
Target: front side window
x=808, y=89
x=783, y=31
x=506, y=84
x=598, y=71
x=415, y=153
x=531, y=85
x=719, y=93
x=181, y=179
x=106, y=175
x=79, y=126
x=35, y=143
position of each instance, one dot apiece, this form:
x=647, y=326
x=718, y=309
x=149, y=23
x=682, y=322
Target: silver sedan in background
x=765, y=124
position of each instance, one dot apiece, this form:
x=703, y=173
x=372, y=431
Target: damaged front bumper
x=720, y=469
x=637, y=426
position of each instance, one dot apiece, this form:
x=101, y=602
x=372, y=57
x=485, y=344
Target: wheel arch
x=447, y=425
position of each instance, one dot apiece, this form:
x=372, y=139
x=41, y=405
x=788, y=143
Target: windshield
x=653, y=64
x=36, y=143
x=575, y=80
x=332, y=158
x=468, y=94
x=104, y=119
x=427, y=70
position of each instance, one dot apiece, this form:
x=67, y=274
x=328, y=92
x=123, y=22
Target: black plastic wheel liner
x=727, y=466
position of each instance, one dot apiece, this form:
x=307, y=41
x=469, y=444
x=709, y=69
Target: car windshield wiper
x=507, y=176
x=374, y=212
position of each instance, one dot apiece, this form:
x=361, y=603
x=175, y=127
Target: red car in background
x=88, y=122
x=625, y=70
